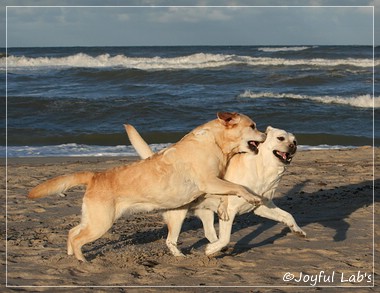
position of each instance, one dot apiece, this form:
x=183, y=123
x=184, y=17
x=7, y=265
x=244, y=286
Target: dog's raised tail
x=60, y=184
x=141, y=147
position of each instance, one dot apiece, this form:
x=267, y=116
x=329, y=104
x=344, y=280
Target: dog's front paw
x=177, y=253
x=299, y=232
x=174, y=249
x=256, y=202
x=213, y=248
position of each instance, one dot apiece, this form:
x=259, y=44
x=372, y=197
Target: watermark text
x=328, y=278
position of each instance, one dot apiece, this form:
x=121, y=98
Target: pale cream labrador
x=167, y=180
x=260, y=173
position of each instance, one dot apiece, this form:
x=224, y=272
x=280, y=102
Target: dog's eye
x=281, y=138
x=253, y=126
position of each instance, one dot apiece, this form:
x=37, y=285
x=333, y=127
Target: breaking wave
x=282, y=49
x=194, y=61
x=363, y=101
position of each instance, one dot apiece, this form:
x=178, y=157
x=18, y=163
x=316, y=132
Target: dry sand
x=330, y=194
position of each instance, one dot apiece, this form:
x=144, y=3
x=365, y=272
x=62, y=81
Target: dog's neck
x=268, y=173
x=207, y=133
x=218, y=134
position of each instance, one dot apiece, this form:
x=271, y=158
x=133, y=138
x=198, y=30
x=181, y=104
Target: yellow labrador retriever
x=167, y=180
x=260, y=173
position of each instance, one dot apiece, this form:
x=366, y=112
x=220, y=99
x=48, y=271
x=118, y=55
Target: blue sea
x=74, y=101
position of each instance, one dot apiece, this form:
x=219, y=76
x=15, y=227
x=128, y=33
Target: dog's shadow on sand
x=327, y=207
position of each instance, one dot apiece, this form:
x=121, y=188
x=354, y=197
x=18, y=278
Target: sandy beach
x=329, y=193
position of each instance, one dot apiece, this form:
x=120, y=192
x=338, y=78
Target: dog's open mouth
x=253, y=146
x=285, y=158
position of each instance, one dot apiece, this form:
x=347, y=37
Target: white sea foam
x=283, y=49
x=74, y=150
x=323, y=147
x=363, y=101
x=200, y=60
x=80, y=150
x=194, y=61
x=70, y=150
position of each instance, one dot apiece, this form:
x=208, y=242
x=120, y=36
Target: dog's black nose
x=292, y=146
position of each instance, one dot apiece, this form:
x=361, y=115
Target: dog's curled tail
x=60, y=184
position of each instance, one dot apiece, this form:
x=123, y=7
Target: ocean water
x=74, y=101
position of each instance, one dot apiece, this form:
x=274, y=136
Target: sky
x=205, y=24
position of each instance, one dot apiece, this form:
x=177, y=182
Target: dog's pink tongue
x=283, y=156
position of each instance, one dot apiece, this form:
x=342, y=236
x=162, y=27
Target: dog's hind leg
x=72, y=233
x=174, y=220
x=97, y=219
x=271, y=211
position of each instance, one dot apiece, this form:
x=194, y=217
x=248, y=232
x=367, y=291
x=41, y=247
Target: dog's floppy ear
x=269, y=128
x=228, y=119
